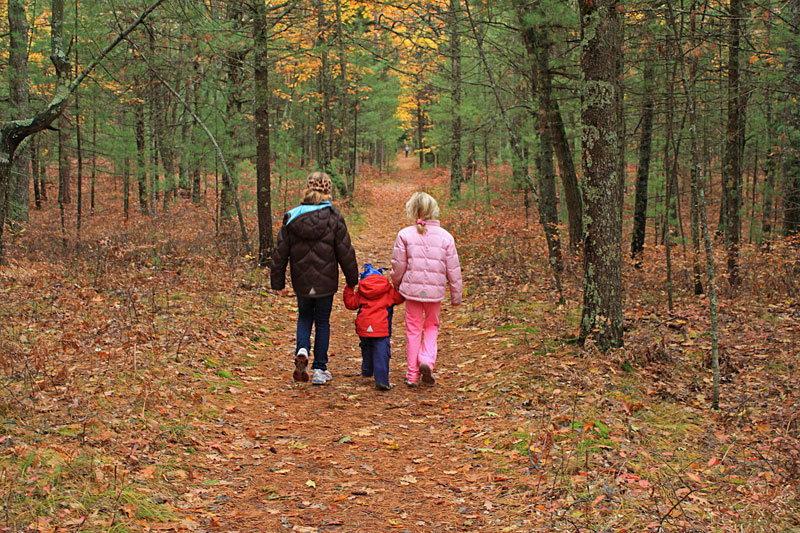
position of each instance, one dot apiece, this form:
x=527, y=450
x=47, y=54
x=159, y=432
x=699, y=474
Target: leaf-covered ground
x=146, y=385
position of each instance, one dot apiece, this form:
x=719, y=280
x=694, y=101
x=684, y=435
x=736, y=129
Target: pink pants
x=421, y=335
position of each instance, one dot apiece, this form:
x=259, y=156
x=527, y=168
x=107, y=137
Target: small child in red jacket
x=375, y=301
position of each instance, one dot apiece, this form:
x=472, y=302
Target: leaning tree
x=16, y=133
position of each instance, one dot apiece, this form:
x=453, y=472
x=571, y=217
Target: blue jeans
x=375, y=354
x=315, y=312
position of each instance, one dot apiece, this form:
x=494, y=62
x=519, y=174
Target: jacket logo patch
x=422, y=294
x=370, y=330
x=312, y=291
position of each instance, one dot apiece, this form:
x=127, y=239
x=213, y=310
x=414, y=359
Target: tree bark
x=456, y=170
x=732, y=165
x=420, y=130
x=166, y=138
x=324, y=137
x=18, y=100
x=78, y=141
x=344, y=108
x=35, y=173
x=126, y=186
x=261, y=112
x=94, y=161
x=198, y=71
x=602, y=281
x=566, y=170
x=235, y=63
x=791, y=201
x=643, y=172
x=141, y=156
x=689, y=83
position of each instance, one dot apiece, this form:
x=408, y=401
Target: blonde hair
x=312, y=196
x=422, y=206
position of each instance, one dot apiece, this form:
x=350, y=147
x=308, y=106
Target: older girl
x=314, y=239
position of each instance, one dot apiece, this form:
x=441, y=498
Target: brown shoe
x=300, y=362
x=427, y=374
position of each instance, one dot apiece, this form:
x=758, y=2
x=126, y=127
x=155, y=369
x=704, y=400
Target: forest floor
x=147, y=386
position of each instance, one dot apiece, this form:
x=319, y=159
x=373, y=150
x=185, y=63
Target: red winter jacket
x=373, y=300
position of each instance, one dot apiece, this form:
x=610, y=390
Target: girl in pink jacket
x=424, y=264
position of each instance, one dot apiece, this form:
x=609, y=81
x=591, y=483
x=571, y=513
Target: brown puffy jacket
x=315, y=244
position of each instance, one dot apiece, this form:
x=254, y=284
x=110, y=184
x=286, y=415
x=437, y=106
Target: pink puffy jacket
x=425, y=264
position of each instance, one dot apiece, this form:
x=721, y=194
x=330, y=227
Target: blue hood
x=305, y=208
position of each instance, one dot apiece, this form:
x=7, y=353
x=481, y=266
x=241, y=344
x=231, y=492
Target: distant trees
x=218, y=100
x=14, y=133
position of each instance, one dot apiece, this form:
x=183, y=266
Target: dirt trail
x=344, y=456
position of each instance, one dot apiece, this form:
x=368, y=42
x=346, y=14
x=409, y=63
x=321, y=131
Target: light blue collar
x=305, y=208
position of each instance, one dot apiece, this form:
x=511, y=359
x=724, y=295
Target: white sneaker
x=321, y=377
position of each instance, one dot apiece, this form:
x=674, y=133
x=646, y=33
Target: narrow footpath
x=346, y=457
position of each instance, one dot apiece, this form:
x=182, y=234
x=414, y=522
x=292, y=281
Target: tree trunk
x=234, y=107
x=42, y=170
x=643, y=172
x=166, y=138
x=64, y=171
x=261, y=112
x=198, y=71
x=420, y=130
x=79, y=154
x=732, y=165
x=344, y=107
x=548, y=203
x=324, y=137
x=78, y=141
x=456, y=170
x=153, y=142
x=602, y=282
x=18, y=100
x=141, y=156
x=94, y=160
x=126, y=186
x=36, y=173
x=669, y=203
x=566, y=169
x=697, y=279
x=186, y=135
x=791, y=200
